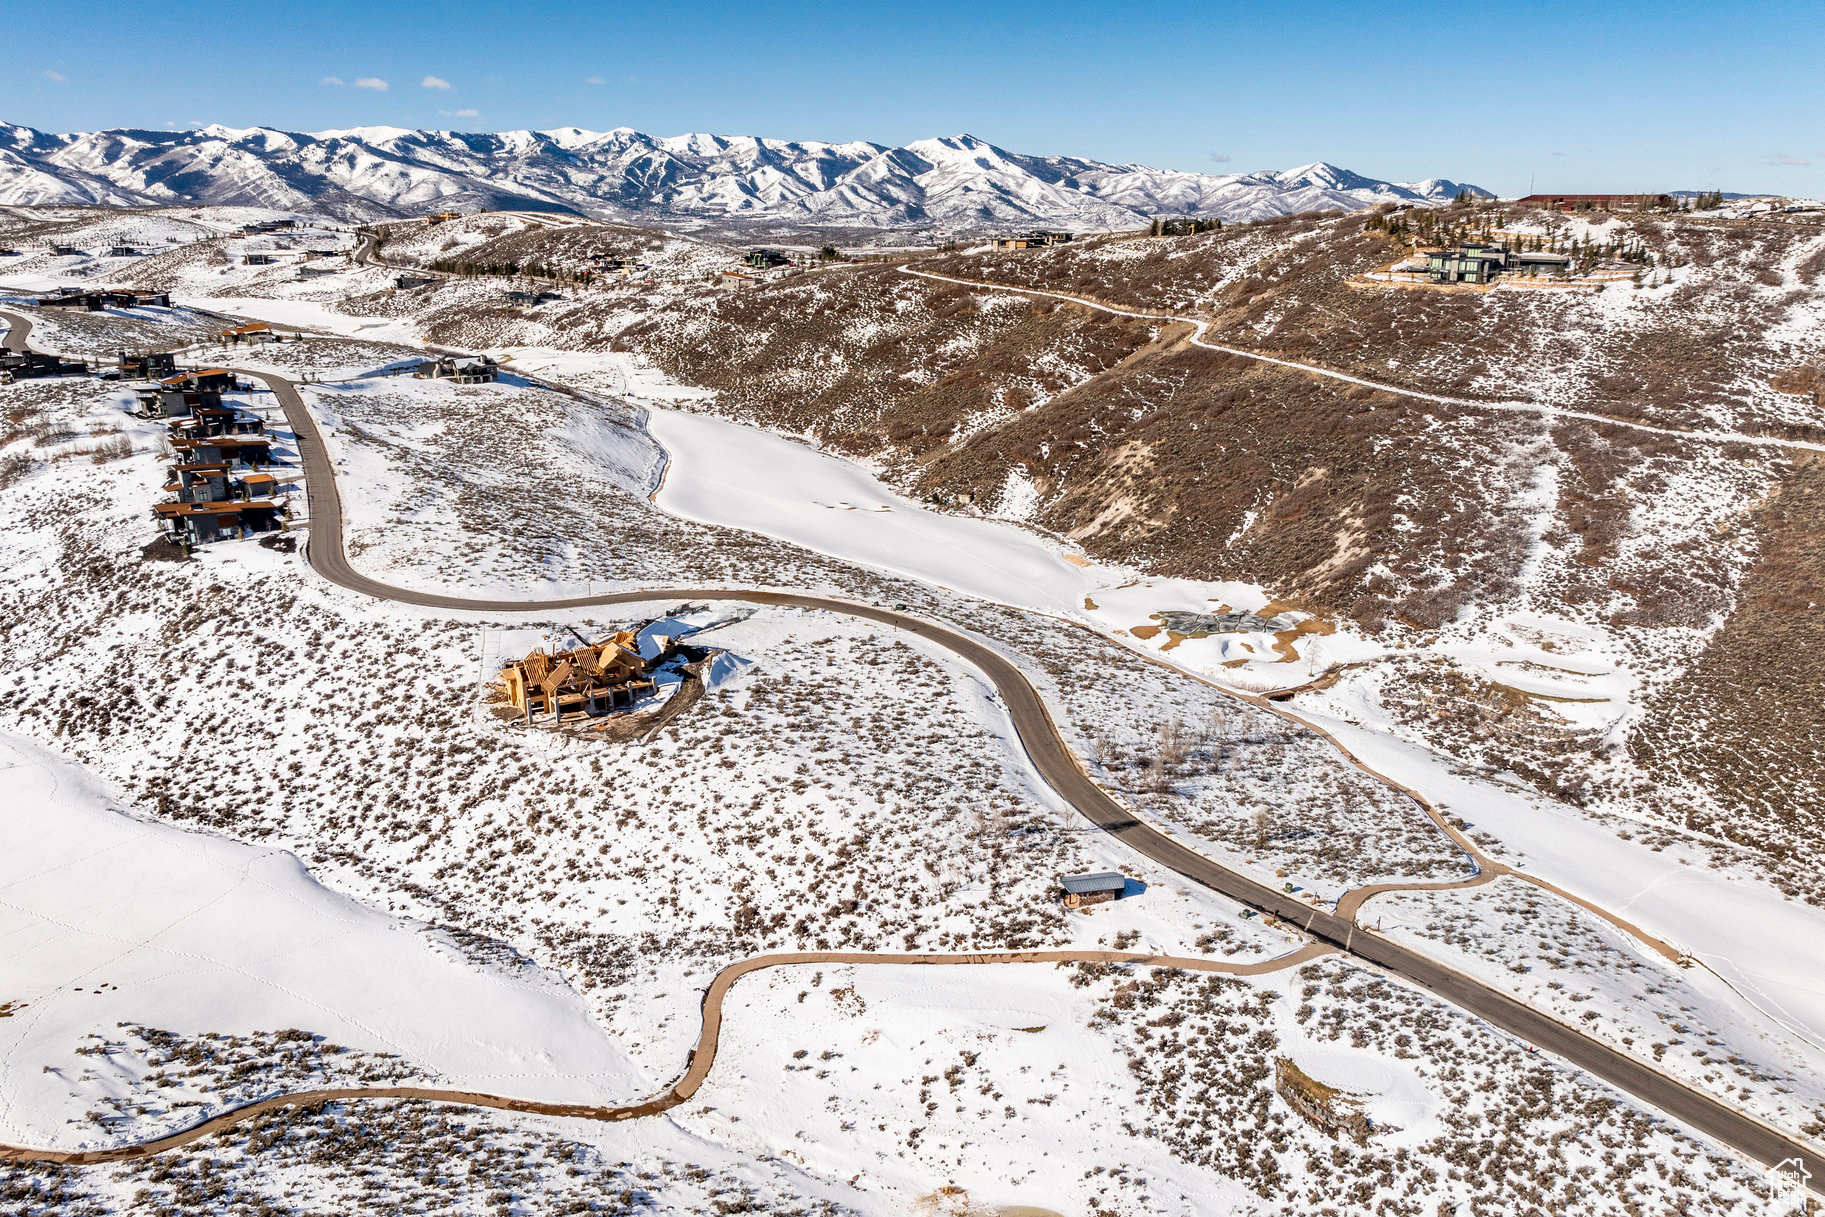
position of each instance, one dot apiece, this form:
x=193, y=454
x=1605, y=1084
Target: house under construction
x=593, y=680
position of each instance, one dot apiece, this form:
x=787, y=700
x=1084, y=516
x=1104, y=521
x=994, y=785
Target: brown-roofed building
x=257, y=331
x=160, y=402
x=201, y=523
x=217, y=483
x=199, y=483
x=207, y=421
x=203, y=380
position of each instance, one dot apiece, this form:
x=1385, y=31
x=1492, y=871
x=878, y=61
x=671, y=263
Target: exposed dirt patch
x=164, y=549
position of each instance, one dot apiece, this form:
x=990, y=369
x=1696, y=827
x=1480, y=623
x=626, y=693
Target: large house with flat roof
x=1481, y=262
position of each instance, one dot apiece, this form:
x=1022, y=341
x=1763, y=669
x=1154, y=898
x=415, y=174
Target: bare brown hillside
x=1414, y=519
x=1726, y=307
x=1747, y=720
x=1430, y=526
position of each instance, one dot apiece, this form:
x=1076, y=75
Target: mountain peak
x=958, y=182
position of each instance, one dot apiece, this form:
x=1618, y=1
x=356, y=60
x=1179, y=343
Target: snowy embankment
x=109, y=920
x=739, y=476
x=1768, y=948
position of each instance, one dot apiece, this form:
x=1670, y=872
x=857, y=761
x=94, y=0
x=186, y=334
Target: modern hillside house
x=1477, y=262
x=95, y=301
x=202, y=380
x=478, y=371
x=201, y=523
x=146, y=365
x=1465, y=264
x=1031, y=240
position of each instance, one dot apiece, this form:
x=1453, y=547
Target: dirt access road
x=703, y=1056
x=1060, y=768
x=1200, y=326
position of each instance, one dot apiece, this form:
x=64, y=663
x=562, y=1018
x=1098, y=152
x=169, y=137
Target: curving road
x=1039, y=736
x=18, y=332
x=1059, y=766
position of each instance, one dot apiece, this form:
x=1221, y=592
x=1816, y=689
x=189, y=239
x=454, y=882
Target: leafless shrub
x=13, y=466
x=115, y=448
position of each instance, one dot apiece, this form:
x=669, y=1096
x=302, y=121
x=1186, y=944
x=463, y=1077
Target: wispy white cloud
x=55, y=77
x=1220, y=158
x=460, y=113
x=595, y=80
x=331, y=80
x=1782, y=158
x=371, y=82
x=434, y=82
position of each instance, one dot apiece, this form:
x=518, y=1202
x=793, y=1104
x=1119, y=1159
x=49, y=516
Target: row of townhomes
x=221, y=475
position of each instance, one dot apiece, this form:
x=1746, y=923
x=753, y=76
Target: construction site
x=606, y=686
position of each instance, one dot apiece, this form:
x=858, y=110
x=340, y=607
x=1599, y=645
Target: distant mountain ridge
x=367, y=173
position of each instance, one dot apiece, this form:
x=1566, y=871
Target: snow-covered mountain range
x=955, y=182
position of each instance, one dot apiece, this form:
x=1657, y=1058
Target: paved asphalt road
x=19, y=331
x=1056, y=763
x=1059, y=766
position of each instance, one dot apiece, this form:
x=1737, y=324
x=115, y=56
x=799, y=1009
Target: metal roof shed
x=1092, y=889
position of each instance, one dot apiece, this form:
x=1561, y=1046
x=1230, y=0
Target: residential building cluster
x=220, y=476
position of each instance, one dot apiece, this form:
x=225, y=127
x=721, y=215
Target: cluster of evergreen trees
x=1705, y=200
x=1437, y=227
x=1183, y=227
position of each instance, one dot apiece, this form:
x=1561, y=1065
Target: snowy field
x=844, y=788
x=743, y=477
x=109, y=920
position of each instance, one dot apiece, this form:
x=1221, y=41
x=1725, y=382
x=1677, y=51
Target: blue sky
x=1594, y=97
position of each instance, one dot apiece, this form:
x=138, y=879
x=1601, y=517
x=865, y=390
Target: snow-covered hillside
x=956, y=182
